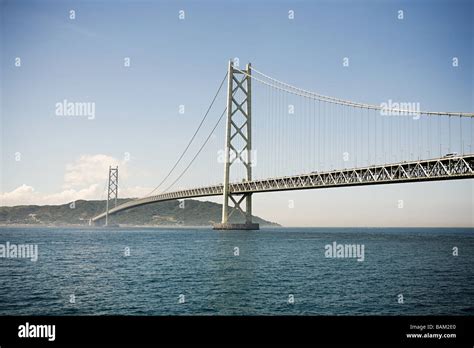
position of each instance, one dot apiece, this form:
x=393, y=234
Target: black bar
x=289, y=330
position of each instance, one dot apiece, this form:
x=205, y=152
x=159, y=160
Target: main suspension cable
x=197, y=154
x=191, y=140
x=305, y=93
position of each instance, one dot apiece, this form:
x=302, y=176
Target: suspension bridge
x=305, y=140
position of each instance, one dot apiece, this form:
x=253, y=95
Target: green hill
x=184, y=213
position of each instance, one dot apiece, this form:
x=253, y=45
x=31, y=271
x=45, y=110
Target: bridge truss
x=417, y=171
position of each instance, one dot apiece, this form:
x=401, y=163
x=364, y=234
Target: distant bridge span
x=460, y=167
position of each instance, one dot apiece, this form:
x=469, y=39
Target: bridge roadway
x=459, y=167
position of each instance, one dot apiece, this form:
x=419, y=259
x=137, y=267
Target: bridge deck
x=460, y=167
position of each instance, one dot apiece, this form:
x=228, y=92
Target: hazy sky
x=51, y=159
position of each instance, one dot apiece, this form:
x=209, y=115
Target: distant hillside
x=185, y=213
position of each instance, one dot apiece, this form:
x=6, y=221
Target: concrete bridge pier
x=230, y=226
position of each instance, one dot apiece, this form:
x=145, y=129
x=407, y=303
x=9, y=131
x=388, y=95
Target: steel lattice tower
x=238, y=131
x=112, y=190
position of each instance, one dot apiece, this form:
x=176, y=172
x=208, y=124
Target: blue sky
x=181, y=62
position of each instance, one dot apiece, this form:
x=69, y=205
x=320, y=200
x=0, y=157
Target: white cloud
x=91, y=169
x=27, y=195
x=83, y=179
x=22, y=195
x=70, y=195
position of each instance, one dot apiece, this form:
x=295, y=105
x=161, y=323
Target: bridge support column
x=238, y=147
x=112, y=191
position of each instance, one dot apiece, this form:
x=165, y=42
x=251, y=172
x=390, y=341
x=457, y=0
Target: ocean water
x=272, y=265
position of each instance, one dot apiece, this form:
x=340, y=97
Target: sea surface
x=198, y=271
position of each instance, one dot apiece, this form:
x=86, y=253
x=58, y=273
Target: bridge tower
x=238, y=146
x=112, y=191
